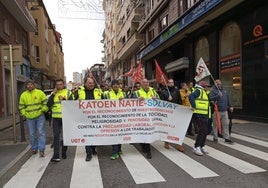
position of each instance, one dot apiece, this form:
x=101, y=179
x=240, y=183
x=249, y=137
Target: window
x=46, y=32
x=128, y=33
x=24, y=43
x=191, y=3
x=163, y=23
x=151, y=35
x=230, y=62
x=202, y=50
x=36, y=21
x=230, y=40
x=17, y=39
x=37, y=54
x=151, y=4
x=47, y=57
x=6, y=26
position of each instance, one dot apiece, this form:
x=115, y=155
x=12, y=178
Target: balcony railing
x=130, y=46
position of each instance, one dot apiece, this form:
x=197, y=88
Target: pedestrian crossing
x=150, y=171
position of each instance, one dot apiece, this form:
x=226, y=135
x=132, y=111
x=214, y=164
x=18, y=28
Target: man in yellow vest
x=115, y=93
x=32, y=106
x=146, y=92
x=54, y=103
x=200, y=105
x=88, y=92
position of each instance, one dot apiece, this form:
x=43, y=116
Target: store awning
x=182, y=63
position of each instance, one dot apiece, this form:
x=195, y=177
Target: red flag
x=130, y=72
x=138, y=74
x=160, y=77
x=218, y=121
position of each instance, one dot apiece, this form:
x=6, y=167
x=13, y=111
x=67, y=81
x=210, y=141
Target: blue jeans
x=37, y=125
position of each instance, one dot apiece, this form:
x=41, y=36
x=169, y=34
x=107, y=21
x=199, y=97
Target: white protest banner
x=107, y=122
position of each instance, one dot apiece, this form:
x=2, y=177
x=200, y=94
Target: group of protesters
x=201, y=99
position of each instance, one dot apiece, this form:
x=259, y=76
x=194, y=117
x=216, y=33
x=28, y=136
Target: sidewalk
x=11, y=153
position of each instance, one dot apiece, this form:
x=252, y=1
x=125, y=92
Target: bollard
x=22, y=132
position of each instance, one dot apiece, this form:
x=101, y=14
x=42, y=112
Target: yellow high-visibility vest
x=113, y=95
x=33, y=103
x=146, y=95
x=56, y=108
x=82, y=93
x=202, y=103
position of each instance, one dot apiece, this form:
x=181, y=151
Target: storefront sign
x=202, y=8
x=230, y=65
x=106, y=122
x=258, y=33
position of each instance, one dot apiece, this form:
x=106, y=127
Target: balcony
x=136, y=14
x=130, y=46
x=21, y=14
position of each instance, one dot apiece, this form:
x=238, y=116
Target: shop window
x=202, y=50
x=230, y=62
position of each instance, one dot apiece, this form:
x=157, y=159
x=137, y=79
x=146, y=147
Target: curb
x=12, y=163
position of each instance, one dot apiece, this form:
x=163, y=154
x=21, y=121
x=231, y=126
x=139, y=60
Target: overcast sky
x=81, y=39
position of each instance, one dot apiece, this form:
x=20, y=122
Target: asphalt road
x=243, y=164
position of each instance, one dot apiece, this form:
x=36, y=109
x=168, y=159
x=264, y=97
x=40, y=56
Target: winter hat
x=114, y=82
x=29, y=81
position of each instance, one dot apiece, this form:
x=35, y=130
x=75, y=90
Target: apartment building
x=36, y=49
x=231, y=37
x=121, y=36
x=46, y=55
x=15, y=23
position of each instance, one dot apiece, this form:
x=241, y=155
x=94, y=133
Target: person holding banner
x=115, y=93
x=173, y=95
x=200, y=105
x=88, y=92
x=146, y=92
x=220, y=97
x=54, y=103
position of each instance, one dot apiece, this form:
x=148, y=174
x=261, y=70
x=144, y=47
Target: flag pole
x=131, y=91
x=94, y=78
x=166, y=84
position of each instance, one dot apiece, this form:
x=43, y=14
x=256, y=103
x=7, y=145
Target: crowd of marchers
x=210, y=104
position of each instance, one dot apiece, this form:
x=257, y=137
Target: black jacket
x=175, y=93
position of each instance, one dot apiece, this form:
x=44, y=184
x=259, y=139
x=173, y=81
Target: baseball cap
x=203, y=84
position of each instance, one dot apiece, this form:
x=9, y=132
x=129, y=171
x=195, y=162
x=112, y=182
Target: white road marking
x=229, y=160
x=31, y=172
x=251, y=140
x=141, y=170
x=85, y=173
x=245, y=149
x=190, y=166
